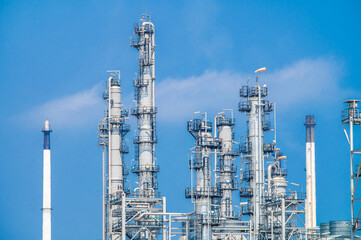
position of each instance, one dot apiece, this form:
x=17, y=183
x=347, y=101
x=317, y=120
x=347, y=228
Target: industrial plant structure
x=267, y=210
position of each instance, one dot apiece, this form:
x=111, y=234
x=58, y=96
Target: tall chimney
x=46, y=183
x=310, y=173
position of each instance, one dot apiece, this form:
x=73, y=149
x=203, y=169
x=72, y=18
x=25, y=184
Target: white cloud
x=306, y=81
x=81, y=109
x=178, y=98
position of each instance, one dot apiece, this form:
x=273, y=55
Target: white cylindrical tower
x=310, y=173
x=115, y=137
x=46, y=183
x=225, y=166
x=112, y=130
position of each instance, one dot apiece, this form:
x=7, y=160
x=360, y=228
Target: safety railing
x=200, y=192
x=224, y=168
x=246, y=192
x=143, y=110
x=208, y=142
x=243, y=92
x=244, y=106
x=247, y=175
x=211, y=218
x=138, y=139
x=225, y=121
x=196, y=163
x=268, y=106
x=268, y=147
x=232, y=185
x=246, y=147
x=125, y=148
x=141, y=82
x=197, y=125
x=287, y=195
x=351, y=113
x=266, y=125
x=230, y=151
x=255, y=91
x=246, y=209
x=125, y=128
x=146, y=194
x=145, y=168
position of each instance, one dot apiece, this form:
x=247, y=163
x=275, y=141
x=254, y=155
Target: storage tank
x=325, y=229
x=341, y=228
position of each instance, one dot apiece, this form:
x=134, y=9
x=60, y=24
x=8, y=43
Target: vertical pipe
x=260, y=153
x=110, y=221
x=272, y=225
x=46, y=182
x=215, y=151
x=103, y=198
x=351, y=175
x=170, y=226
x=123, y=217
x=275, y=121
x=283, y=219
x=164, y=216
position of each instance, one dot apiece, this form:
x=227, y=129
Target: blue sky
x=53, y=61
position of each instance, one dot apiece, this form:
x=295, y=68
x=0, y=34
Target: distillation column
x=112, y=130
x=203, y=193
x=116, y=120
x=227, y=183
x=46, y=183
x=145, y=110
x=256, y=108
x=256, y=139
x=310, y=173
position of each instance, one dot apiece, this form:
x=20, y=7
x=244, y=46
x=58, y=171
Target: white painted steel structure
x=46, y=183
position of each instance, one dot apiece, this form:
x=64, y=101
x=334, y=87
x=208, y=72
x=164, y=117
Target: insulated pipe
x=269, y=174
x=215, y=151
x=46, y=183
x=310, y=173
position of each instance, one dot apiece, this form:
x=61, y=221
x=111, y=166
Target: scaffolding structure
x=351, y=116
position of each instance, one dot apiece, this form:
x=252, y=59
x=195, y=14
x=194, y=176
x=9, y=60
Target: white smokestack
x=310, y=173
x=46, y=183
